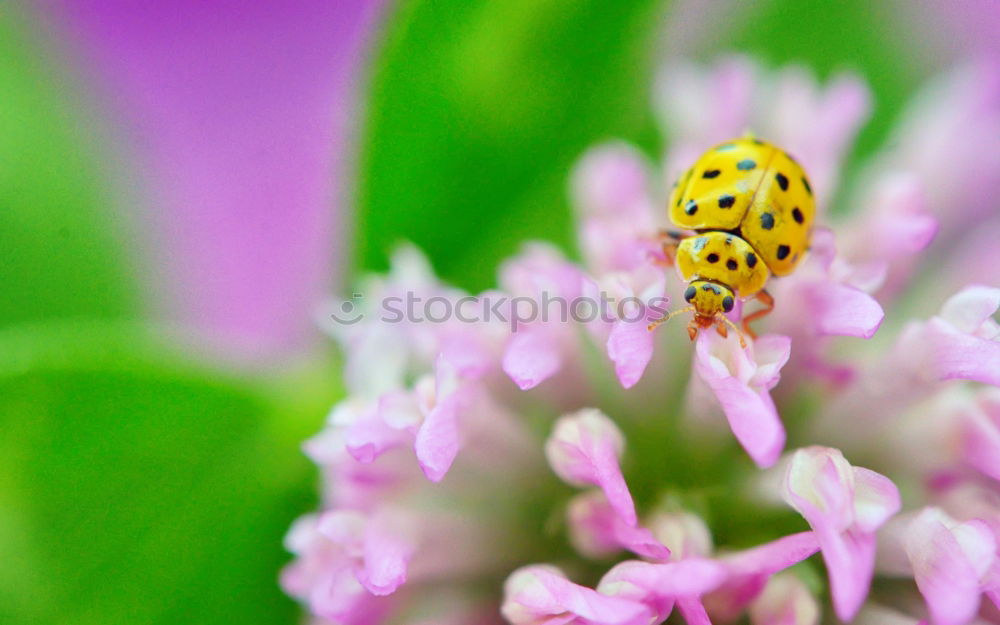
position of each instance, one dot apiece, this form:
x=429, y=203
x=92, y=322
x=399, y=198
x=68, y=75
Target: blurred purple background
x=236, y=119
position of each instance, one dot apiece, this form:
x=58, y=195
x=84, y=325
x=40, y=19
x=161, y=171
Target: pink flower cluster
x=447, y=468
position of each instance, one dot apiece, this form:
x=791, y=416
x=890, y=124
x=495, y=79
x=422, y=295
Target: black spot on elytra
x=782, y=181
x=691, y=207
x=726, y=201
x=746, y=164
x=712, y=258
x=732, y=265
x=727, y=303
x=797, y=215
x=729, y=240
x=690, y=293
x=783, y=251
x=711, y=173
x=766, y=221
x=757, y=141
x=751, y=260
x=805, y=183
x=700, y=243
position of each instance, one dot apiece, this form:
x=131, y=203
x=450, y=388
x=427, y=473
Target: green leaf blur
x=137, y=488
x=62, y=250
x=477, y=111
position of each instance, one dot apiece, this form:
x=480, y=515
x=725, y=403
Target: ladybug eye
x=727, y=303
x=690, y=293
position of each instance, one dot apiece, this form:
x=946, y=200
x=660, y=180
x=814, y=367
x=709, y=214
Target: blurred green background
x=140, y=484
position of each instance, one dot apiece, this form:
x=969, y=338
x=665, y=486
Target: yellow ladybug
x=747, y=210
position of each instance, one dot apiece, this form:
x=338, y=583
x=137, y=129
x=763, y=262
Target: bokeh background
x=183, y=182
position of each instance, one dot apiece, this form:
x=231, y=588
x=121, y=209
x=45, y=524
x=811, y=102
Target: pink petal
x=591, y=521
x=597, y=530
x=841, y=310
x=816, y=125
x=994, y=596
x=340, y=598
x=866, y=276
x=344, y=528
x=609, y=179
x=750, y=570
x=850, y=562
x=786, y=600
x=701, y=107
x=918, y=232
x=303, y=534
x=584, y=449
x=771, y=353
x=844, y=514
x=437, y=439
x=399, y=410
x=386, y=556
x=750, y=412
x=376, y=357
x=968, y=309
x=777, y=555
x=541, y=268
x=641, y=542
x=823, y=247
x=467, y=352
x=532, y=356
x=898, y=221
x=981, y=435
x=533, y=595
x=369, y=437
x=693, y=612
x=690, y=577
x=960, y=356
x=684, y=533
x=630, y=347
x=876, y=499
x=943, y=570
x=819, y=485
x=325, y=448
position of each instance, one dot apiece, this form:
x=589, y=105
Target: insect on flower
x=746, y=210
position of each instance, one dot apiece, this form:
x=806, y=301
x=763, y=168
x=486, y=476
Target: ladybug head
x=710, y=300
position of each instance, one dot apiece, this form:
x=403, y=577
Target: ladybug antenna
x=667, y=317
x=725, y=320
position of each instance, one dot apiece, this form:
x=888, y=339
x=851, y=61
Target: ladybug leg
x=669, y=240
x=720, y=326
x=693, y=329
x=671, y=236
x=764, y=298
